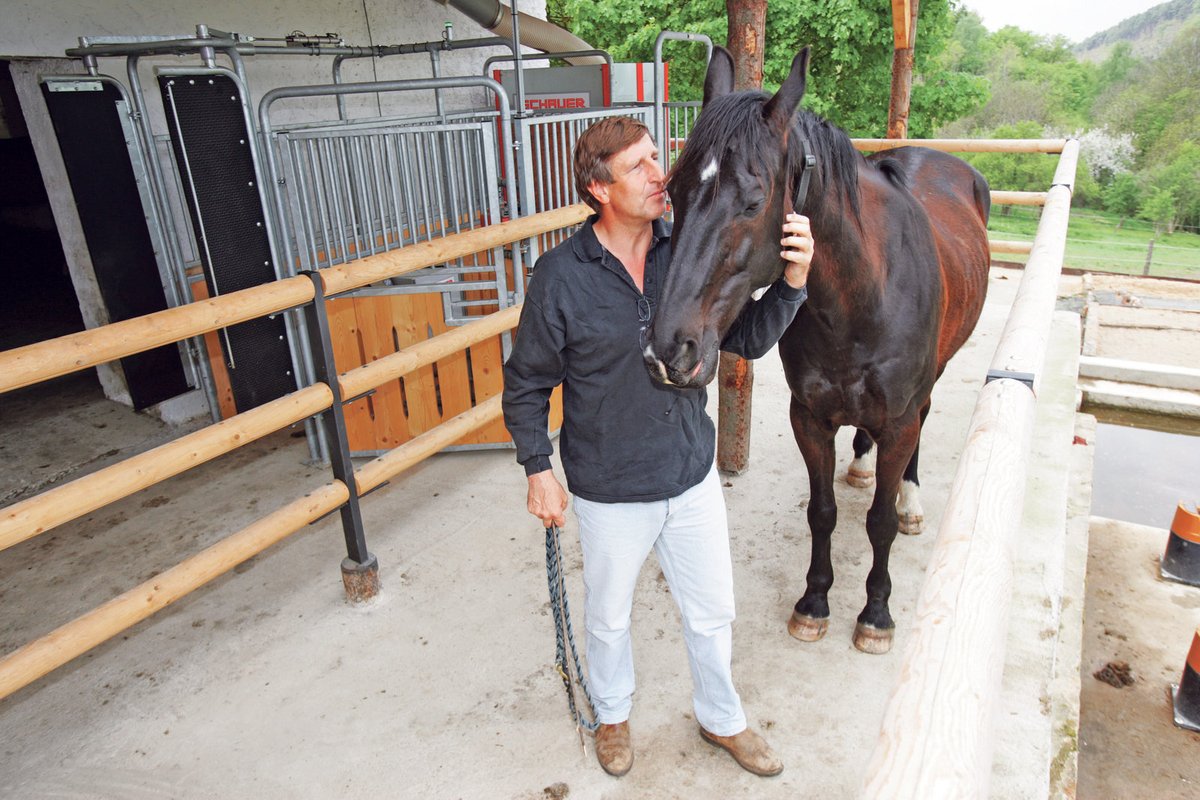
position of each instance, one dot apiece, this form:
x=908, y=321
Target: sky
x=1074, y=19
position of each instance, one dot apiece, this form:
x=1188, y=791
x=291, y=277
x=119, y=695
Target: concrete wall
x=36, y=33
x=46, y=28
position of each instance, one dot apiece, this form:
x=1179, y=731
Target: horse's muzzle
x=686, y=368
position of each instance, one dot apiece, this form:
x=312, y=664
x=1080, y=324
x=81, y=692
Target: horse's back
x=957, y=200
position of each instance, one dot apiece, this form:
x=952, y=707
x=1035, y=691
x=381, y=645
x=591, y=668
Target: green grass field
x=1095, y=242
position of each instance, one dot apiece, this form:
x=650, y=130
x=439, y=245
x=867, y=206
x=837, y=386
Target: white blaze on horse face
x=709, y=172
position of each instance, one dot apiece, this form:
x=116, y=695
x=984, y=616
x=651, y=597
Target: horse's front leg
x=810, y=619
x=875, y=629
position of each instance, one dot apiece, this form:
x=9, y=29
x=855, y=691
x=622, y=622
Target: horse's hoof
x=872, y=640
x=911, y=524
x=860, y=480
x=806, y=628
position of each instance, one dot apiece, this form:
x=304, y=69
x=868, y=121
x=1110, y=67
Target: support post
x=360, y=569
x=747, y=21
x=904, y=20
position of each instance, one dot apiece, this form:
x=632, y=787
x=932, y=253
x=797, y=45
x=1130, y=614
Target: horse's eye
x=753, y=208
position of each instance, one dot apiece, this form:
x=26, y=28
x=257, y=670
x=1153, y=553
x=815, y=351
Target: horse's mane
x=736, y=121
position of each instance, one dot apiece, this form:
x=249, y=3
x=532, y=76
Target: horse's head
x=730, y=190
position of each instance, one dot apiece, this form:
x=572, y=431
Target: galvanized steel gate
x=323, y=193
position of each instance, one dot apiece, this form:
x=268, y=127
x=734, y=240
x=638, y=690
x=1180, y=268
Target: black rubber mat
x=114, y=227
x=216, y=165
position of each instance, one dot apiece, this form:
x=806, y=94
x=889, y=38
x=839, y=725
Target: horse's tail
x=983, y=197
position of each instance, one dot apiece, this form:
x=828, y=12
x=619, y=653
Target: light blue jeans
x=690, y=535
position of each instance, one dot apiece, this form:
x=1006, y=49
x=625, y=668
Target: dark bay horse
x=898, y=280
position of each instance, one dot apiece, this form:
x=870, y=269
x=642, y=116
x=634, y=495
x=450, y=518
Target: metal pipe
x=410, y=49
x=516, y=204
x=565, y=54
x=660, y=129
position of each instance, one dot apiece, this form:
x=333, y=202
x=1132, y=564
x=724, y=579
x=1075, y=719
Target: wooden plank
x=347, y=354
x=375, y=472
x=411, y=315
x=216, y=360
x=487, y=367
x=375, y=332
x=1019, y=198
x=1009, y=246
x=412, y=357
x=966, y=145
x=902, y=24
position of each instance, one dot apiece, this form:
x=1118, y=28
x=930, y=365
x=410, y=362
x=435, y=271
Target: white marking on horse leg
x=908, y=506
x=862, y=470
x=709, y=172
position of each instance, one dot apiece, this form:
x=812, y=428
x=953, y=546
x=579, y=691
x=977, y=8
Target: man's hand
x=547, y=498
x=797, y=250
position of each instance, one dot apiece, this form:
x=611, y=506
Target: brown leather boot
x=749, y=750
x=613, y=748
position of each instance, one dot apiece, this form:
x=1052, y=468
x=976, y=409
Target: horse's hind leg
x=810, y=619
x=875, y=629
x=862, y=469
x=908, y=503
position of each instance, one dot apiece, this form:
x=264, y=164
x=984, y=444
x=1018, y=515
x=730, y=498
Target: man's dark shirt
x=625, y=437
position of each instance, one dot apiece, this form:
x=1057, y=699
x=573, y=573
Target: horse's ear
x=782, y=106
x=719, y=79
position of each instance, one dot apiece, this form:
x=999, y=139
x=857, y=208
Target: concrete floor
x=1129, y=745
x=267, y=684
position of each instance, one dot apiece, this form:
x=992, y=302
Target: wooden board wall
x=365, y=329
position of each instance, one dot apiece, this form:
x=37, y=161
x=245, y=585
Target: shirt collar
x=588, y=248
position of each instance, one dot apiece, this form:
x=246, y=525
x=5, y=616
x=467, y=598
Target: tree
x=850, y=70
x=1181, y=177
x=1020, y=172
x=1123, y=196
x=1159, y=208
x=1160, y=102
x=1116, y=68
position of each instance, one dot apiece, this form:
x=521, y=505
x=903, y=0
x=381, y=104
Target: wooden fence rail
x=967, y=145
x=42, y=361
x=45, y=360
x=30, y=517
x=938, y=727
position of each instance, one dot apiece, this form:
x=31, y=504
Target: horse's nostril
x=685, y=355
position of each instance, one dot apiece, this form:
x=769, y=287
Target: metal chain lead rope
x=569, y=670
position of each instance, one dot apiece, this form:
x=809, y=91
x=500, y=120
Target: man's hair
x=595, y=149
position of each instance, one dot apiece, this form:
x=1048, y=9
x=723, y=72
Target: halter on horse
x=898, y=280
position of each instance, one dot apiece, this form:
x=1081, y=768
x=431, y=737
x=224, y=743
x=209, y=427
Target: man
x=638, y=455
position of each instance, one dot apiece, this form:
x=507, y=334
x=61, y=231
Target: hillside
x=1148, y=33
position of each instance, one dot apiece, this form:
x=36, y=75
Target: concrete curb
x=1140, y=397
